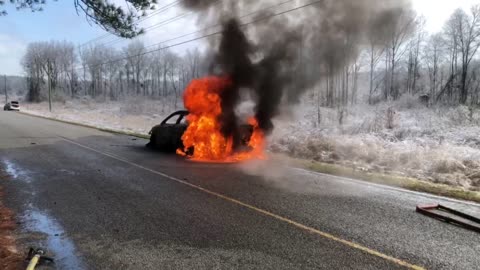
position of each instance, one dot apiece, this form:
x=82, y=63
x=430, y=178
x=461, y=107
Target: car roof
x=184, y=112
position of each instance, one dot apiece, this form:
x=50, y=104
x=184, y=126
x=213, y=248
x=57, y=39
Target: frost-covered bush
x=408, y=102
x=140, y=106
x=436, y=144
x=458, y=116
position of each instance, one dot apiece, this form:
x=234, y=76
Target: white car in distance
x=12, y=106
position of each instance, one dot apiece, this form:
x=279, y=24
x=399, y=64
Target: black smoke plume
x=268, y=56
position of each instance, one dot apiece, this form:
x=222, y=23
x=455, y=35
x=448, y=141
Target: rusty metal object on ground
x=450, y=215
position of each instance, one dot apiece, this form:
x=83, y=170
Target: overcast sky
x=59, y=21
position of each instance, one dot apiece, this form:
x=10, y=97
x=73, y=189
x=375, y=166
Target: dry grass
x=132, y=115
x=437, y=145
x=116, y=131
x=387, y=179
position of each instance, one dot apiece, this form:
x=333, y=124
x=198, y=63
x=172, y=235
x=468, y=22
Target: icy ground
x=439, y=144
x=134, y=115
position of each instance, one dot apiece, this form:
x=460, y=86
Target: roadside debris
x=450, y=215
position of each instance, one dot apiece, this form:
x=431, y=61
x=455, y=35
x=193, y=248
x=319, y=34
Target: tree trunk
x=464, y=89
x=386, y=87
x=393, y=89
x=372, y=63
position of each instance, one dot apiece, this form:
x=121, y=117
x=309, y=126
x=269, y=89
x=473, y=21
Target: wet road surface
x=101, y=201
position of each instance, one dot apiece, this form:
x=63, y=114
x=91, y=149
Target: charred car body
x=167, y=136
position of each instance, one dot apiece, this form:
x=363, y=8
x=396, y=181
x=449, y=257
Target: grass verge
x=115, y=131
x=387, y=179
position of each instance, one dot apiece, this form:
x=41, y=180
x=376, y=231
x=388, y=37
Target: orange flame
x=202, y=100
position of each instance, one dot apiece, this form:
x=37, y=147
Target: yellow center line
x=262, y=211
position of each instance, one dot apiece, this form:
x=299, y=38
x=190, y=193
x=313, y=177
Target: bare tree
x=414, y=55
x=398, y=31
x=112, y=69
x=464, y=30
x=474, y=83
x=45, y=56
x=376, y=48
x=156, y=71
x=136, y=61
x=68, y=59
x=174, y=63
x=193, y=60
x=83, y=53
x=356, y=67
x=433, y=55
x=32, y=65
x=94, y=58
x=166, y=66
x=50, y=55
x=451, y=44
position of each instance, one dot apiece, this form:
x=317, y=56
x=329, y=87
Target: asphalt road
x=97, y=200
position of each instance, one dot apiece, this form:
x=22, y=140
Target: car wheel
x=156, y=143
x=151, y=143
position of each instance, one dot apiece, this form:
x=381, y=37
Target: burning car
x=167, y=136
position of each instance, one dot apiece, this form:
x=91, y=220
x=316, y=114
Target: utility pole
x=5, y=85
x=49, y=94
x=49, y=86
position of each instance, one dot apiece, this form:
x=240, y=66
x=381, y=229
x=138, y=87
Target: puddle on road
x=15, y=172
x=57, y=244
x=11, y=169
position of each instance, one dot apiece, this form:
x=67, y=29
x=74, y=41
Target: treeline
x=398, y=58
x=103, y=72
x=402, y=58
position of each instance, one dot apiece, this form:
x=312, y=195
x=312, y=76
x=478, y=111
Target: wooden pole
x=49, y=94
x=5, y=85
x=49, y=87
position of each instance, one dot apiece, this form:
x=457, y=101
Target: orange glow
x=202, y=99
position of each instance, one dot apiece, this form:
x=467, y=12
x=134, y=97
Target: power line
x=161, y=10
x=157, y=25
x=156, y=12
x=162, y=23
x=206, y=28
x=209, y=35
x=218, y=24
